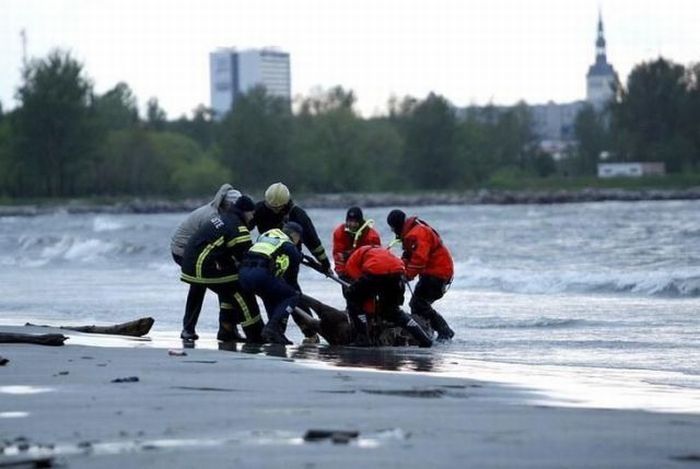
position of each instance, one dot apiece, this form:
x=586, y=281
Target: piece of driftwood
x=137, y=328
x=39, y=339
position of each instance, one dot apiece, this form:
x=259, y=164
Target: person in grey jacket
x=225, y=196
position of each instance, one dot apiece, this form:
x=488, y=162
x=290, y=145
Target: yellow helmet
x=277, y=195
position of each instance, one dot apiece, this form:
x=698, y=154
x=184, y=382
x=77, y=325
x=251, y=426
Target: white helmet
x=277, y=195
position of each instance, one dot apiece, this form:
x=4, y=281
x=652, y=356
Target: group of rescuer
x=215, y=250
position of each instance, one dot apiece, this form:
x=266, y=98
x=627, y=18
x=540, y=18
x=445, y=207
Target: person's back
x=199, y=217
x=426, y=253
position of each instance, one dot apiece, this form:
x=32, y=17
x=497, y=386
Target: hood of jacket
x=220, y=196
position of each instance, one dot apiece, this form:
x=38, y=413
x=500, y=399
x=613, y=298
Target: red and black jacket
x=345, y=242
x=424, y=253
x=373, y=260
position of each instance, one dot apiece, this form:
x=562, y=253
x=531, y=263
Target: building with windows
x=553, y=123
x=234, y=72
x=601, y=77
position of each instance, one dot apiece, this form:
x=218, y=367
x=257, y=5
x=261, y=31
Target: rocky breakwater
x=343, y=200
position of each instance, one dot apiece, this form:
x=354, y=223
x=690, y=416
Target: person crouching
x=377, y=273
x=270, y=270
x=212, y=256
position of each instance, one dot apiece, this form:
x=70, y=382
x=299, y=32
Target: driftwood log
x=39, y=339
x=137, y=328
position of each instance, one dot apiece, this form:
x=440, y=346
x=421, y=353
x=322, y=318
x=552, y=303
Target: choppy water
x=611, y=286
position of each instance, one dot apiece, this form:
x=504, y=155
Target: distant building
x=632, y=169
x=553, y=123
x=601, y=76
x=233, y=72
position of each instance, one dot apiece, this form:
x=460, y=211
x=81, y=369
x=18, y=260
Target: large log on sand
x=41, y=339
x=137, y=328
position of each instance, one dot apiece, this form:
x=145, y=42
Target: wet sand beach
x=141, y=405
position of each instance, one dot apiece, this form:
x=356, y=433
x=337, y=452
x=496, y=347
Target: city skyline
x=470, y=52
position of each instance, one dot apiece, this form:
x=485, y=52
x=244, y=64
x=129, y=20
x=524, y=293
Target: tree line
x=64, y=140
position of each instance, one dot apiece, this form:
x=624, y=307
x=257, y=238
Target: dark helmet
x=396, y=220
x=355, y=214
x=244, y=204
x=293, y=227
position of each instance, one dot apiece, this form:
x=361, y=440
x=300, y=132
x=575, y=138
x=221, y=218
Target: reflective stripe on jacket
x=345, y=242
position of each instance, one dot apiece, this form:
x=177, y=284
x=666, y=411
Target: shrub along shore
x=343, y=200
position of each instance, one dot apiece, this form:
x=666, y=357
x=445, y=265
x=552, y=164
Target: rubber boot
x=273, y=332
x=193, y=306
x=413, y=328
x=228, y=330
x=253, y=332
x=444, y=331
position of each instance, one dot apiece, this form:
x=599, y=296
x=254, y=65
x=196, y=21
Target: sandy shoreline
x=244, y=410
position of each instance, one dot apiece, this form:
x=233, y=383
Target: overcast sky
x=472, y=52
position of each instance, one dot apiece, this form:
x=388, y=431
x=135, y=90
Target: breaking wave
x=673, y=283
x=35, y=251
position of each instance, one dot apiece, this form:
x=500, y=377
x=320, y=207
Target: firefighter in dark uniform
x=378, y=275
x=270, y=270
x=277, y=209
x=211, y=259
x=425, y=256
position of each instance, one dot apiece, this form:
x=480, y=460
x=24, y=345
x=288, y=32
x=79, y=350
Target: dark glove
x=326, y=266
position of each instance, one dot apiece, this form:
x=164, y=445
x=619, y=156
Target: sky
x=471, y=52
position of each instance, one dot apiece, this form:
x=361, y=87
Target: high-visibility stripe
x=246, y=312
x=224, y=305
x=191, y=279
x=205, y=252
x=238, y=240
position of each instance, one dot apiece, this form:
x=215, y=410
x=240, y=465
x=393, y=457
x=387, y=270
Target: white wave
x=104, y=223
x=665, y=282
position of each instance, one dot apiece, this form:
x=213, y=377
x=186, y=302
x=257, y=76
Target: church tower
x=601, y=75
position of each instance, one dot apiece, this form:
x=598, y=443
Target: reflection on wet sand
x=380, y=358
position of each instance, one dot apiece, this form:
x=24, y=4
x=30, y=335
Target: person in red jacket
x=348, y=236
x=378, y=274
x=425, y=256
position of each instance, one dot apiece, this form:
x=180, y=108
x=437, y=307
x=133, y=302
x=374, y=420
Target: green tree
x=650, y=110
x=54, y=127
x=156, y=117
x=117, y=109
x=429, y=131
x=593, y=138
x=254, y=139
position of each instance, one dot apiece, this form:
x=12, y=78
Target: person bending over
x=379, y=274
x=270, y=270
x=211, y=260
x=425, y=256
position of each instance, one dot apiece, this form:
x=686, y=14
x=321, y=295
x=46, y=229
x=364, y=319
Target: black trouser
x=388, y=291
x=195, y=299
x=428, y=290
x=235, y=307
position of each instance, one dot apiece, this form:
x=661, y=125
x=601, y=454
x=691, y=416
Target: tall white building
x=233, y=72
x=601, y=75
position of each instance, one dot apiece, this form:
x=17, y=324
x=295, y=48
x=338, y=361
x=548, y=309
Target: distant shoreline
x=343, y=200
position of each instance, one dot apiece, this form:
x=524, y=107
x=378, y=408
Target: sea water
x=605, y=291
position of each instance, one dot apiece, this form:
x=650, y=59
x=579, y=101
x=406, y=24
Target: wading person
x=425, y=256
x=211, y=260
x=378, y=275
x=354, y=233
x=270, y=270
x=225, y=196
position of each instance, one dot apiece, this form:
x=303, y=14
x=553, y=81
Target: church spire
x=600, y=56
